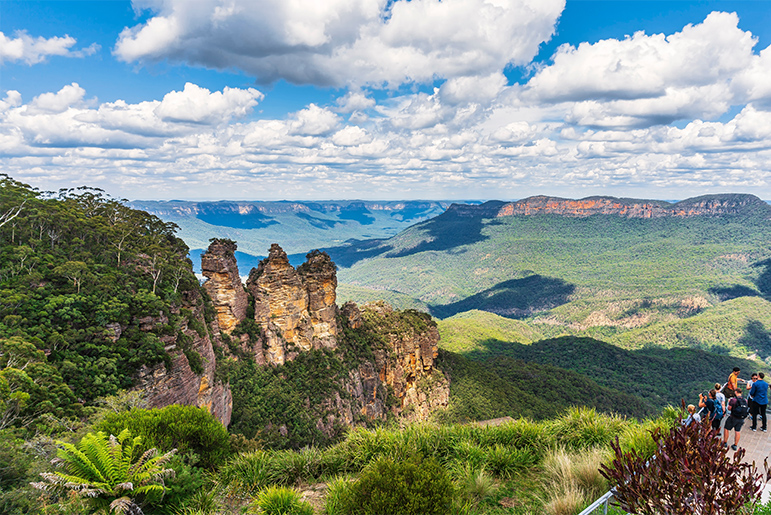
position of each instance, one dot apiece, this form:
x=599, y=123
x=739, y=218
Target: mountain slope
x=603, y=274
x=659, y=376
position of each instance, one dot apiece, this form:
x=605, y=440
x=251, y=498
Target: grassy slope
x=604, y=256
x=630, y=281
x=503, y=386
x=739, y=326
x=467, y=331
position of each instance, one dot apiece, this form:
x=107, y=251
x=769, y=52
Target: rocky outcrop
x=295, y=308
x=708, y=205
x=403, y=367
x=223, y=284
x=180, y=383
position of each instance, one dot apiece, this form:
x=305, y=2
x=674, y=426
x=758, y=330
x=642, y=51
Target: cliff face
x=708, y=205
x=219, y=266
x=180, y=384
x=405, y=366
x=295, y=308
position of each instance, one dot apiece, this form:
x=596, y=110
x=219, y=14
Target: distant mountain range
x=297, y=226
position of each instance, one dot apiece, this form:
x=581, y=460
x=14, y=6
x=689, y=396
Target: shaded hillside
x=660, y=376
x=502, y=386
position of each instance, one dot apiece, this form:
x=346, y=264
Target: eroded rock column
x=224, y=286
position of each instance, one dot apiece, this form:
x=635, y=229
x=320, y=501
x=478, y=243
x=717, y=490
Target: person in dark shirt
x=737, y=412
x=759, y=393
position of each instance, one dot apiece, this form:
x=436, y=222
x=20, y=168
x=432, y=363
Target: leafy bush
x=280, y=500
x=416, y=486
x=690, y=473
x=186, y=428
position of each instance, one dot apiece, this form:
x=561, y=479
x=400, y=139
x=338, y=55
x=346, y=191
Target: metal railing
x=601, y=503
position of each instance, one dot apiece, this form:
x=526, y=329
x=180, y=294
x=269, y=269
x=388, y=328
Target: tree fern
x=104, y=469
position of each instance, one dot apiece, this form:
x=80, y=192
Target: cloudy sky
x=384, y=99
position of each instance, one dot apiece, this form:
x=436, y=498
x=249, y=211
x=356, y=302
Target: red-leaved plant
x=689, y=474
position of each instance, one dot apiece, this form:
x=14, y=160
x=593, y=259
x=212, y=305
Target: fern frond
x=77, y=462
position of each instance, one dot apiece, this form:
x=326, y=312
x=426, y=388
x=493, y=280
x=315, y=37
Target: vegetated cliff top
x=705, y=205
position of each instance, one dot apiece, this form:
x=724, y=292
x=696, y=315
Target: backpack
x=740, y=409
x=718, y=409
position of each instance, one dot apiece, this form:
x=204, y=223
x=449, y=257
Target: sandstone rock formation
x=405, y=366
x=224, y=286
x=295, y=308
x=180, y=384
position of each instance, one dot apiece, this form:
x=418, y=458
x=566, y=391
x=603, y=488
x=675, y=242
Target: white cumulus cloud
x=341, y=42
x=198, y=105
x=653, y=79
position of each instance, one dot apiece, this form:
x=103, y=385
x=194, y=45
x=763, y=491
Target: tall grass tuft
x=574, y=475
x=567, y=501
x=338, y=493
x=292, y=467
x=281, y=500
x=583, y=427
x=474, y=484
x=244, y=474
x=505, y=461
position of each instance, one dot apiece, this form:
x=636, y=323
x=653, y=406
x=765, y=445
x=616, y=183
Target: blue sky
x=375, y=99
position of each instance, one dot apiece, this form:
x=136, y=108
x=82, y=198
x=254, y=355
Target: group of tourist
x=727, y=402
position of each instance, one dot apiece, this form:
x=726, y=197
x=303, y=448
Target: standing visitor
x=759, y=394
x=737, y=412
x=714, y=407
x=720, y=397
x=750, y=401
x=733, y=383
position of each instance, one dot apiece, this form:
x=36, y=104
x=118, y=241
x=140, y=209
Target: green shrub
x=186, y=428
x=280, y=500
x=584, y=427
x=246, y=473
x=416, y=486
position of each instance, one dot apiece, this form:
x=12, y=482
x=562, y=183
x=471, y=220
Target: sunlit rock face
x=295, y=308
x=405, y=365
x=707, y=205
x=223, y=284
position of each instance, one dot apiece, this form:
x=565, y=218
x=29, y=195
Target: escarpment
x=708, y=205
x=385, y=357
x=191, y=378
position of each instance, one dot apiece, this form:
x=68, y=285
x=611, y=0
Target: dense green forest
x=76, y=266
